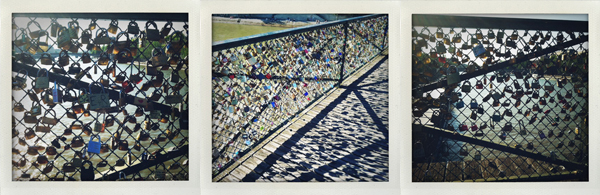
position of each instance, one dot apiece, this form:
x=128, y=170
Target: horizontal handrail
x=182, y=17
x=498, y=23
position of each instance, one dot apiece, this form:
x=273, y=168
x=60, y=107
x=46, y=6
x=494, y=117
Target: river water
x=45, y=139
x=543, y=146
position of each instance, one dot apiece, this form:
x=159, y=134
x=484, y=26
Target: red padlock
x=478, y=85
x=463, y=127
x=127, y=86
x=474, y=127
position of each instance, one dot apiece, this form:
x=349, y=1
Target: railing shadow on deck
x=286, y=146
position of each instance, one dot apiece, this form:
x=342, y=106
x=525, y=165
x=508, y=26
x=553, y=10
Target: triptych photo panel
x=306, y=102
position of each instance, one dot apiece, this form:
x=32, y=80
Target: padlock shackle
x=48, y=111
x=72, y=24
x=100, y=84
x=38, y=73
x=179, y=35
x=36, y=23
x=23, y=33
x=121, y=34
x=114, y=22
x=86, y=32
x=132, y=23
x=103, y=32
x=26, y=73
x=96, y=136
x=151, y=22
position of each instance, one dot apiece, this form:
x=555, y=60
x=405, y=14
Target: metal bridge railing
x=499, y=99
x=100, y=96
x=262, y=81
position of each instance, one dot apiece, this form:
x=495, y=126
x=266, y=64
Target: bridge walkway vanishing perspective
x=342, y=137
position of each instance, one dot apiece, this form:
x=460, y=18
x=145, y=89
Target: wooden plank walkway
x=341, y=137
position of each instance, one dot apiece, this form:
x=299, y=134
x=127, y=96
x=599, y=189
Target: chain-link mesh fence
x=498, y=99
x=261, y=82
x=100, y=97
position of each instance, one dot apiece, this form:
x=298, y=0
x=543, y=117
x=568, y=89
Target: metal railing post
x=343, y=54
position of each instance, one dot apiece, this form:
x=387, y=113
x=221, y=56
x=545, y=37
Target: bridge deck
x=342, y=137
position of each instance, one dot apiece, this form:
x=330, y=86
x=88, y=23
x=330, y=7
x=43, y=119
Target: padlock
x=120, y=162
x=42, y=82
x=439, y=33
x=120, y=44
x=474, y=104
x=441, y=49
x=152, y=34
x=98, y=100
x=466, y=87
x=103, y=59
x=37, y=33
x=177, y=42
x=542, y=101
x=49, y=120
x=474, y=127
x=123, y=145
x=74, y=69
x=478, y=49
x=158, y=59
x=496, y=117
x=166, y=29
x=453, y=75
x=46, y=59
x=94, y=146
x=102, y=37
x=76, y=142
x=133, y=28
x=113, y=27
x=479, y=85
x=474, y=115
x=98, y=127
x=68, y=167
x=87, y=174
x=541, y=134
x=460, y=104
x=507, y=127
x=124, y=56
x=463, y=127
x=24, y=38
x=535, y=95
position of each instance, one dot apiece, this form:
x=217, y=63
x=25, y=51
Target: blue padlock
x=460, y=104
x=542, y=135
x=94, y=146
x=496, y=117
x=478, y=50
x=474, y=104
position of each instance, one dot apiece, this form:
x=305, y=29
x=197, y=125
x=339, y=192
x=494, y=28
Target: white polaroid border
x=7, y=186
x=236, y=7
x=407, y=8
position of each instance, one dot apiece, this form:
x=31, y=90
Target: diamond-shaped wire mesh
x=260, y=86
x=539, y=105
x=56, y=127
